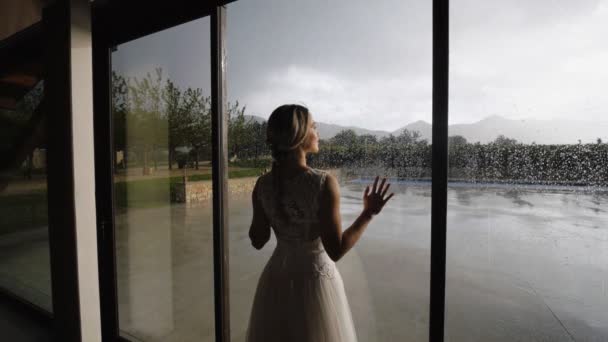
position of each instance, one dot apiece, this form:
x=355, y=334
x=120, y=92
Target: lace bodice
x=299, y=202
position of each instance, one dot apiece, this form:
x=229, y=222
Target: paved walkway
x=506, y=278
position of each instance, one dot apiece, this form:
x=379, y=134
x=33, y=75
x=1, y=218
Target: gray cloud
x=369, y=64
x=183, y=52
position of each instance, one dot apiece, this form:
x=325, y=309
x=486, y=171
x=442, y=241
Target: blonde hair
x=288, y=128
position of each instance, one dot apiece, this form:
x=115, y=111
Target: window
x=526, y=256
x=367, y=83
x=24, y=256
x=162, y=129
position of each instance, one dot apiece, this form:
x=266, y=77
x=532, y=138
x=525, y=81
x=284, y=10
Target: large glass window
x=161, y=109
x=24, y=241
x=364, y=71
x=527, y=241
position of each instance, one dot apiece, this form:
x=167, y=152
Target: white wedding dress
x=300, y=295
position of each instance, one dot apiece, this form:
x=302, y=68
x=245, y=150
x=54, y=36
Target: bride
x=300, y=295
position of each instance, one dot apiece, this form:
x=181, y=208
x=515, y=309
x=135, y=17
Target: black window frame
x=113, y=24
x=439, y=169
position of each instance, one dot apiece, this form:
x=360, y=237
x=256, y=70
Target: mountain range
x=487, y=129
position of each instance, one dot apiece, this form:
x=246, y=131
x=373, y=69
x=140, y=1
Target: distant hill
x=486, y=130
x=254, y=118
x=524, y=131
x=425, y=129
x=327, y=131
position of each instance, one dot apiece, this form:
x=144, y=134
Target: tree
x=176, y=116
x=502, y=140
x=408, y=137
x=345, y=138
x=457, y=140
x=258, y=135
x=147, y=115
x=198, y=112
x=389, y=147
x=23, y=130
x=237, y=129
x=120, y=110
x=368, y=139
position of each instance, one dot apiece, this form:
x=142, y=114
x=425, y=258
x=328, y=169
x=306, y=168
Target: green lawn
x=29, y=210
x=23, y=211
x=147, y=193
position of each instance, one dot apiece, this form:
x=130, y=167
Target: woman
x=300, y=295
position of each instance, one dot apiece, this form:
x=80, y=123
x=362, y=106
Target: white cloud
x=518, y=59
x=545, y=71
x=352, y=63
x=377, y=104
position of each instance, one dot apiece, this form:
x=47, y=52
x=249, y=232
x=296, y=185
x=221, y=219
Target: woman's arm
x=259, y=231
x=336, y=242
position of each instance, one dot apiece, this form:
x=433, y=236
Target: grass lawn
x=23, y=211
x=147, y=193
x=29, y=210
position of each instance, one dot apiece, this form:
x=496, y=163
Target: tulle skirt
x=300, y=298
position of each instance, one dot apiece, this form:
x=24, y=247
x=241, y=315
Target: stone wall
x=201, y=191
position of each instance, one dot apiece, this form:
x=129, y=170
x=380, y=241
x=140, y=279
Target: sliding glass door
x=364, y=72
x=527, y=221
x=368, y=87
x=161, y=107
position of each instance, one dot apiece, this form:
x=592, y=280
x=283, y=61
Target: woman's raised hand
x=374, y=201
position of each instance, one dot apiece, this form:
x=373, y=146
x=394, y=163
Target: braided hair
x=288, y=127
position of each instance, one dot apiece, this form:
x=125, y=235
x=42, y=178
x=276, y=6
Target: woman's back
x=300, y=295
x=292, y=204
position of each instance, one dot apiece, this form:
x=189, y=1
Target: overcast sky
x=356, y=64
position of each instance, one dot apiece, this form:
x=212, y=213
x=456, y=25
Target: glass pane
x=161, y=99
x=364, y=72
x=527, y=236
x=25, y=268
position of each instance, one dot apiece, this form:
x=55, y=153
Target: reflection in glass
x=24, y=241
x=161, y=110
x=363, y=72
x=527, y=239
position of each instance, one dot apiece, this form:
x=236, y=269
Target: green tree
x=147, y=117
x=237, y=130
x=408, y=137
x=172, y=96
x=198, y=112
x=345, y=138
x=120, y=110
x=389, y=147
x=258, y=135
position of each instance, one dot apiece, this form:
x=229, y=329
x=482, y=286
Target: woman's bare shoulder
x=320, y=172
x=330, y=186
